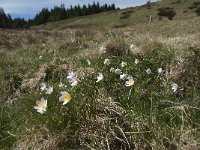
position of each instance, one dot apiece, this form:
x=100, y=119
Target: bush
x=198, y=11
x=167, y=12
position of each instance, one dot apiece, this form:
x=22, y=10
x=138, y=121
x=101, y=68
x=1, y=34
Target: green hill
x=125, y=17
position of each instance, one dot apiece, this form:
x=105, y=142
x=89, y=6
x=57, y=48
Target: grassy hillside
x=114, y=19
x=152, y=108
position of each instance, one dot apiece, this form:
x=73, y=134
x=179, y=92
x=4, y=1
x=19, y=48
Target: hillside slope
x=125, y=17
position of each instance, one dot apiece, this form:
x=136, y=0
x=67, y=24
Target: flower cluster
x=72, y=78
x=65, y=97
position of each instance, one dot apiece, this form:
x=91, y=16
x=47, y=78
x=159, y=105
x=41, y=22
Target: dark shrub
x=198, y=11
x=126, y=14
x=167, y=12
x=192, y=7
x=196, y=3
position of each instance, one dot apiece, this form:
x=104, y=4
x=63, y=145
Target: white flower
x=72, y=78
x=43, y=86
x=41, y=105
x=99, y=77
x=123, y=64
x=71, y=75
x=40, y=57
x=136, y=61
x=74, y=82
x=174, y=87
x=112, y=69
x=130, y=82
x=148, y=71
x=107, y=62
x=89, y=62
x=132, y=46
x=118, y=71
x=102, y=49
x=49, y=90
x=123, y=76
x=65, y=97
x=160, y=70
x=61, y=85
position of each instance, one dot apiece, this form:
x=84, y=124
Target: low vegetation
x=135, y=87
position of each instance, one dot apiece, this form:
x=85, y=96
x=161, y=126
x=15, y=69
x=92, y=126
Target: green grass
x=107, y=114
x=150, y=99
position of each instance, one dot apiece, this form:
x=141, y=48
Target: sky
x=28, y=8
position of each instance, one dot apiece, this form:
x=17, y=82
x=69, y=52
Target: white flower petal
x=123, y=64
x=99, y=77
x=160, y=70
x=148, y=71
x=136, y=61
x=107, y=62
x=118, y=71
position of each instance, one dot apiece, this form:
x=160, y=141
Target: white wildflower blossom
x=148, y=71
x=74, y=82
x=71, y=75
x=136, y=61
x=130, y=82
x=49, y=90
x=107, y=62
x=123, y=64
x=99, y=77
x=160, y=70
x=40, y=57
x=43, y=86
x=89, y=62
x=102, y=49
x=41, y=105
x=112, y=69
x=61, y=85
x=123, y=76
x=174, y=87
x=72, y=78
x=118, y=71
x=65, y=97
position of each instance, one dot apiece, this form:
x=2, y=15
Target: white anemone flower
x=136, y=61
x=148, y=71
x=74, y=82
x=112, y=69
x=174, y=87
x=123, y=76
x=160, y=70
x=65, y=97
x=43, y=86
x=72, y=78
x=40, y=57
x=49, y=90
x=130, y=82
x=89, y=62
x=71, y=75
x=107, y=62
x=123, y=64
x=99, y=77
x=41, y=105
x=118, y=71
x=102, y=49
x=61, y=85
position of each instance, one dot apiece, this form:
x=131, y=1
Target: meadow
x=118, y=85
